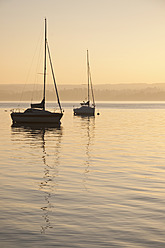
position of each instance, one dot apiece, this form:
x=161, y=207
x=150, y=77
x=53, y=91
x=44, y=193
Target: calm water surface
x=93, y=182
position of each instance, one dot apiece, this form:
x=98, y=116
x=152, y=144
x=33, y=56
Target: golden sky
x=125, y=39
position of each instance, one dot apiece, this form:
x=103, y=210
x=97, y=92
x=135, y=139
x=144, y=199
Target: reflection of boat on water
x=36, y=126
x=37, y=112
x=87, y=109
x=88, y=130
x=50, y=179
x=38, y=137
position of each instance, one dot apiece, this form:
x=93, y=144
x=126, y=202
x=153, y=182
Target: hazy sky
x=125, y=39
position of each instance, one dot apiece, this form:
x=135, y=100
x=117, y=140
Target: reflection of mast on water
x=47, y=178
x=89, y=126
x=49, y=184
x=50, y=158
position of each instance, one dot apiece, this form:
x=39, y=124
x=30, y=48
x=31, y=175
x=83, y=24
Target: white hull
x=84, y=110
x=87, y=109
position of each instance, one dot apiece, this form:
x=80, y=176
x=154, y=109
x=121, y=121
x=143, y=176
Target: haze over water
x=93, y=182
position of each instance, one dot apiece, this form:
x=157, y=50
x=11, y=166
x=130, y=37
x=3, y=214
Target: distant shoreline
x=105, y=92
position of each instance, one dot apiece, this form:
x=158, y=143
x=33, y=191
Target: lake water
x=94, y=182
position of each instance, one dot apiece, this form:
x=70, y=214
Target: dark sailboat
x=37, y=114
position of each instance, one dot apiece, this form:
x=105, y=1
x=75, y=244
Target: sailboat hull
x=42, y=117
x=85, y=111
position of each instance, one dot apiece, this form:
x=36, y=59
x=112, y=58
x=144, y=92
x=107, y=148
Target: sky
x=125, y=39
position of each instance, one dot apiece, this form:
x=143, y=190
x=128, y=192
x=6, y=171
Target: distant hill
x=105, y=92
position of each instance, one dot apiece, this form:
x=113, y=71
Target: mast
x=88, y=75
x=45, y=63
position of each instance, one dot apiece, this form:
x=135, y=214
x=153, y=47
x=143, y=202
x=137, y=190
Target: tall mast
x=45, y=63
x=88, y=75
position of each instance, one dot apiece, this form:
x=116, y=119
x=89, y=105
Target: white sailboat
x=87, y=109
x=37, y=114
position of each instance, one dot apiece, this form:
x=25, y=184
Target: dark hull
x=32, y=118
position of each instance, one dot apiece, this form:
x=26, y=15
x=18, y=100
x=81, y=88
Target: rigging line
x=27, y=77
x=92, y=88
x=58, y=99
x=90, y=80
x=35, y=85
